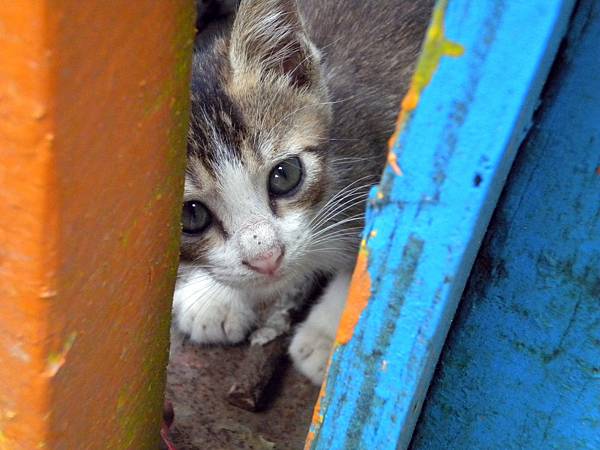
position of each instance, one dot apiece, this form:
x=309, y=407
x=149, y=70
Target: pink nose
x=268, y=262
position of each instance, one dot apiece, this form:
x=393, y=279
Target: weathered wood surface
x=93, y=117
x=521, y=366
x=424, y=226
x=257, y=369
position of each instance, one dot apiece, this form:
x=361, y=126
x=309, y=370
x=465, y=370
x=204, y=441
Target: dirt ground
x=198, y=380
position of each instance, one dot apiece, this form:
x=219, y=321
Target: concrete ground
x=198, y=380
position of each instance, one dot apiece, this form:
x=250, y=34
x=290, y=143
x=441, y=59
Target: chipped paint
x=17, y=351
x=48, y=293
x=317, y=417
x=358, y=297
x=435, y=47
x=57, y=360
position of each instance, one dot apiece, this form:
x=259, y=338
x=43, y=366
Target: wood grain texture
x=521, y=366
x=424, y=226
x=93, y=116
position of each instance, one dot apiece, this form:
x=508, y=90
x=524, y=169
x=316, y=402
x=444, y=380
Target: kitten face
x=257, y=171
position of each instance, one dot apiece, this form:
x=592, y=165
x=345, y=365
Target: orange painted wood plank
x=93, y=116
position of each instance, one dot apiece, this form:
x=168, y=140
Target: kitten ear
x=268, y=37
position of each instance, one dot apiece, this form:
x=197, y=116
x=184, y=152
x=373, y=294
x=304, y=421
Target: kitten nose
x=268, y=262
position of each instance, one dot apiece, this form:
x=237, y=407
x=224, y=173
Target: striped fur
x=321, y=80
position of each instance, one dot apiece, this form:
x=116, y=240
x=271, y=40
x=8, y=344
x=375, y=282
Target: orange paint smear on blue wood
x=317, y=417
x=358, y=298
x=435, y=47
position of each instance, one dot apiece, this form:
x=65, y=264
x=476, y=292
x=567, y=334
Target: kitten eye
x=195, y=217
x=285, y=176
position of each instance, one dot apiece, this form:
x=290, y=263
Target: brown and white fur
x=318, y=79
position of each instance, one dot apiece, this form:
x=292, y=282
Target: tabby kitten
x=291, y=110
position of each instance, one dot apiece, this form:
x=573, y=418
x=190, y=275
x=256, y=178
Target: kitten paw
x=219, y=324
x=310, y=350
x=216, y=320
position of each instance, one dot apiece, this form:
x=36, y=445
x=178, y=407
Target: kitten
x=291, y=110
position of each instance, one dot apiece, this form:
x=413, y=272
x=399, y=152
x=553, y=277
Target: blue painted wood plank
x=521, y=366
x=424, y=228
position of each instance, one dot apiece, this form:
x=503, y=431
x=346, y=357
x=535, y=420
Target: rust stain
x=358, y=297
x=435, y=47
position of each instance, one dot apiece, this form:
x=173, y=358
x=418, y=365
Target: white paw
x=223, y=318
x=217, y=323
x=310, y=350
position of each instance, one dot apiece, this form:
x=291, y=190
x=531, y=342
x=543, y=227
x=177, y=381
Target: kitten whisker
x=353, y=232
x=357, y=217
x=346, y=190
x=340, y=209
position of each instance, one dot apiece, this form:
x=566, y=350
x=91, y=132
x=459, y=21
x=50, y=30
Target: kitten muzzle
x=268, y=262
x=260, y=247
